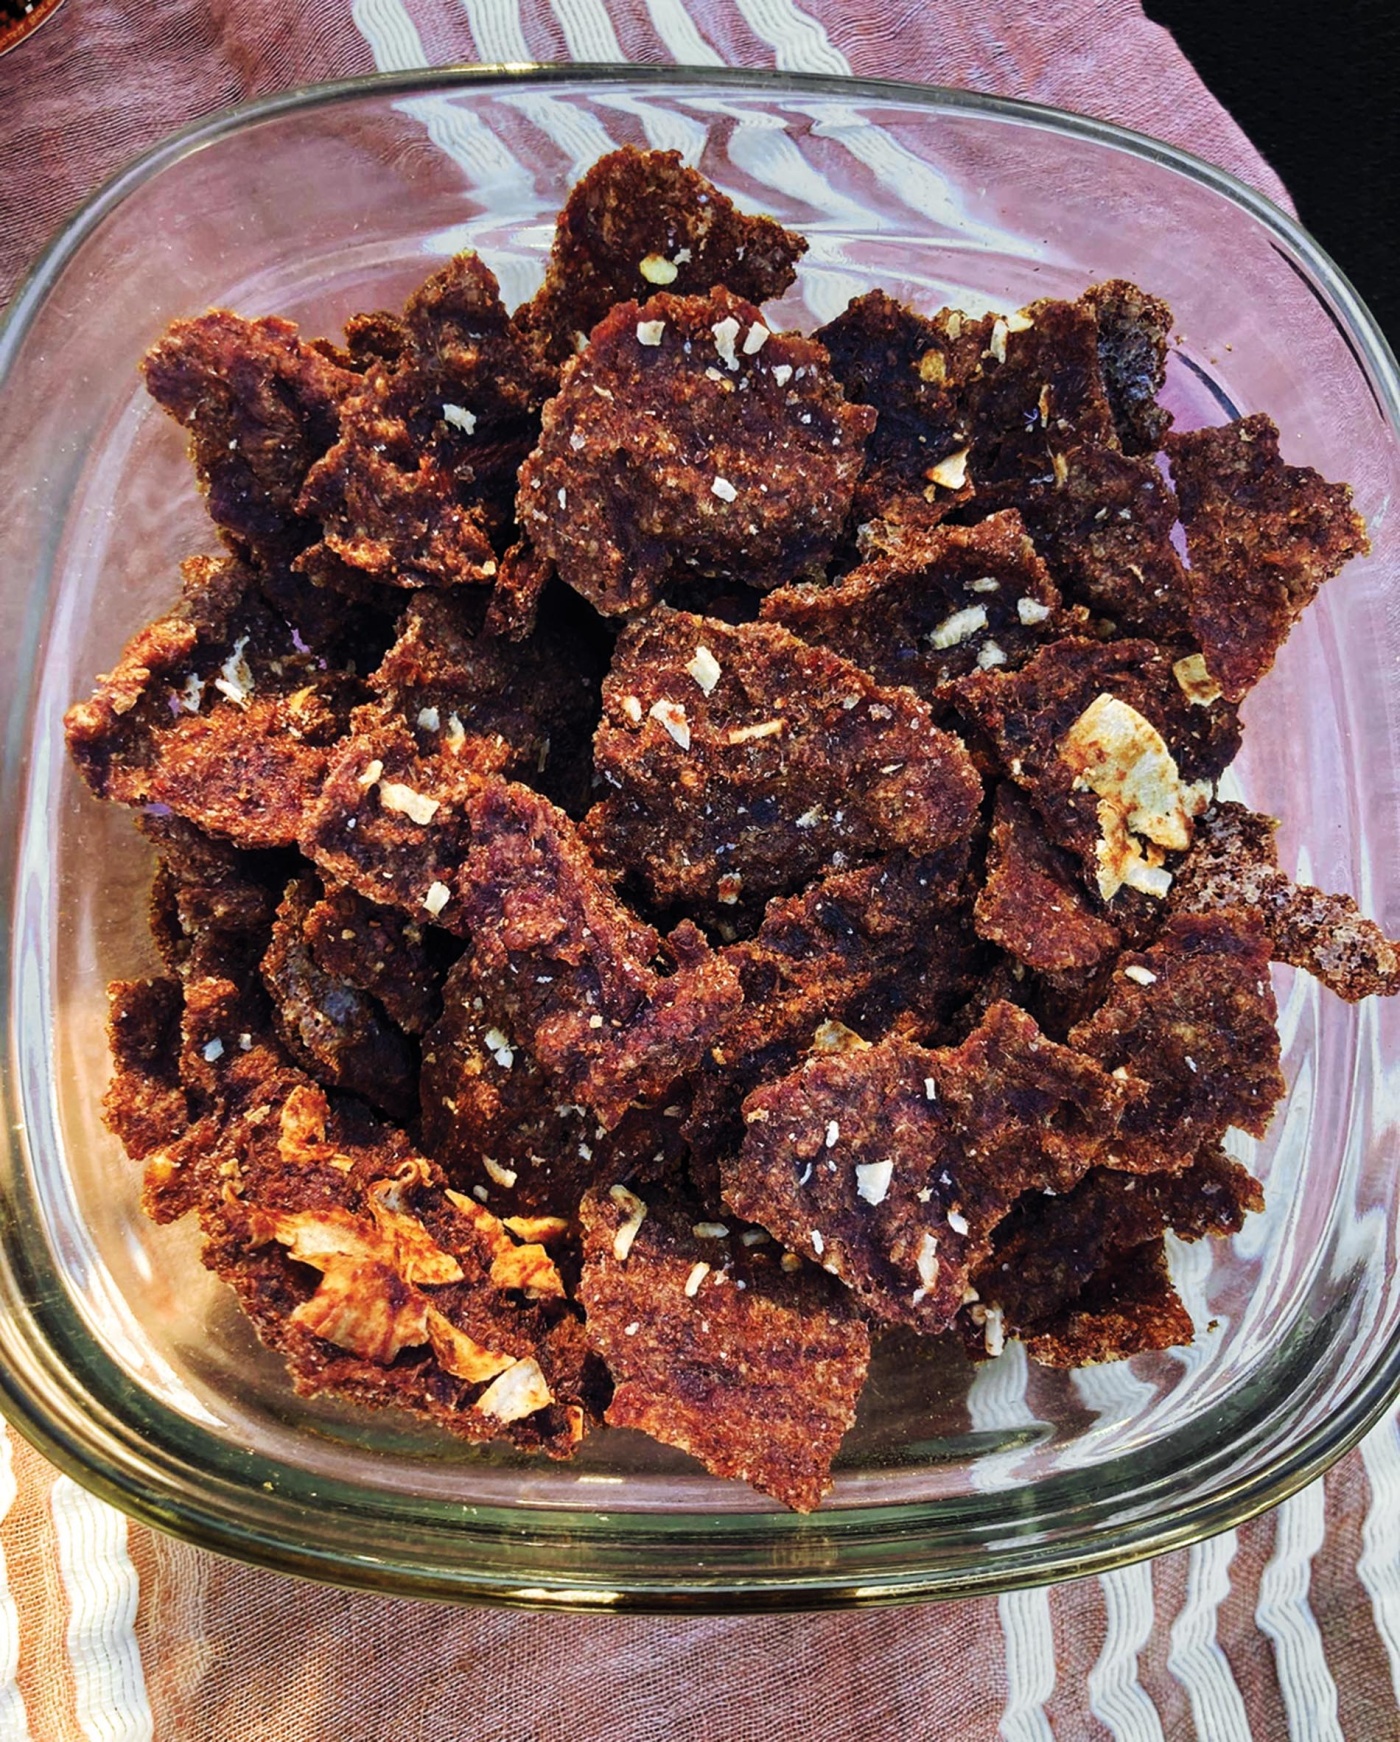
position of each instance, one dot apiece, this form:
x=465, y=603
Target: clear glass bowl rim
x=572, y=1560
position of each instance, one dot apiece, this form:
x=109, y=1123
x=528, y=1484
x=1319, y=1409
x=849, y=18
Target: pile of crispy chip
x=683, y=845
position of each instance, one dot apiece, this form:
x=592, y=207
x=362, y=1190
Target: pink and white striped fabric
x=1289, y=1627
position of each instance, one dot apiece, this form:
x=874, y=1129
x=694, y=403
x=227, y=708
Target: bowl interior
x=952, y=1477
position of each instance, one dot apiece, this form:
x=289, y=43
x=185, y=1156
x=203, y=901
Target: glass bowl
x=130, y=1367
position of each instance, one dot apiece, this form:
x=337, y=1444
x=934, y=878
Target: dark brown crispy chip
x=376, y=1283
x=1127, y=1308
x=915, y=371
x=1040, y=392
x=1233, y=863
x=641, y=221
x=380, y=950
x=261, y=407
x=744, y=762
x=1032, y=903
x=425, y=465
x=856, y=955
x=216, y=712
x=392, y=823
x=1105, y=530
x=569, y=970
x=1193, y=1018
x=932, y=605
x=1115, y=757
x=716, y=1347
x=145, y=1102
x=1133, y=330
x=687, y=438
x=529, y=709
x=1262, y=537
x=1050, y=1249
x=336, y=1032
x=891, y=1165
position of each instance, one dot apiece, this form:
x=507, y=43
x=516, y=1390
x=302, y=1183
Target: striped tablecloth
x=1289, y=1627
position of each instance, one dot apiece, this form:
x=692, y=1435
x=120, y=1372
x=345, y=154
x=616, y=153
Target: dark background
x=1316, y=86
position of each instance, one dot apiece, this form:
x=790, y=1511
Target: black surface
x=1316, y=86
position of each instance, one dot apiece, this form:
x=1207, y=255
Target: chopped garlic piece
x=649, y=332
x=672, y=716
x=632, y=707
x=990, y=654
x=698, y=1273
x=957, y=1222
x=782, y=373
x=1031, y=611
x=213, y=1049
x=371, y=774
x=519, y=1391
x=403, y=800
x=997, y=347
x=499, y=1048
x=710, y=1231
x=636, y=1215
x=755, y=339
x=743, y=734
x=1143, y=976
x=429, y=719
x=1122, y=757
x=873, y=1180
x=460, y=418
x=503, y=1176
x=724, y=490
x=657, y=269
x=235, y=679
x=958, y=627
x=926, y=1261
x=951, y=471
x=994, y=1331
x=1196, y=682
x=704, y=668
x=726, y=332
x=437, y=897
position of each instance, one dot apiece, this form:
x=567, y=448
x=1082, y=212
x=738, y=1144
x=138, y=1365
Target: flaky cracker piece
x=932, y=605
x=424, y=468
x=1193, y=1017
x=716, y=1347
x=1233, y=863
x=567, y=969
x=891, y=1165
x=1261, y=536
x=1057, y=1261
x=1032, y=903
x=500, y=1127
x=743, y=762
x=1133, y=329
x=639, y=221
x=915, y=370
x=215, y=711
x=689, y=438
x=261, y=407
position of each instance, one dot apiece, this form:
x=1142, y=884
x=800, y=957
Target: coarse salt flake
x=499, y=1048
x=755, y=339
x=1031, y=611
x=958, y=627
x=951, y=470
x=460, y=418
x=989, y=654
x=212, y=1050
x=782, y=373
x=724, y=490
x=726, y=332
x=957, y=1222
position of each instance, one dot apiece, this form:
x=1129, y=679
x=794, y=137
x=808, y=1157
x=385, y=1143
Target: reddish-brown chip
x=1040, y=391
x=891, y=1165
x=687, y=439
x=425, y=466
x=145, y=1103
x=1105, y=531
x=1233, y=863
x=210, y=900
x=1034, y=721
x=261, y=407
x=745, y=762
x=932, y=605
x=215, y=711
x=1261, y=536
x=336, y=1032
x=638, y=221
x=392, y=823
x=716, y=1348
x=532, y=706
x=1128, y=1308
x=568, y=970
x=380, y=950
x=1194, y=1019
x=1132, y=341
x=1033, y=904
x=915, y=371
x=856, y=955
x=1050, y=1249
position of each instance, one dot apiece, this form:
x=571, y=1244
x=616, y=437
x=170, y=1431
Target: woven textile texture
x=1288, y=1628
